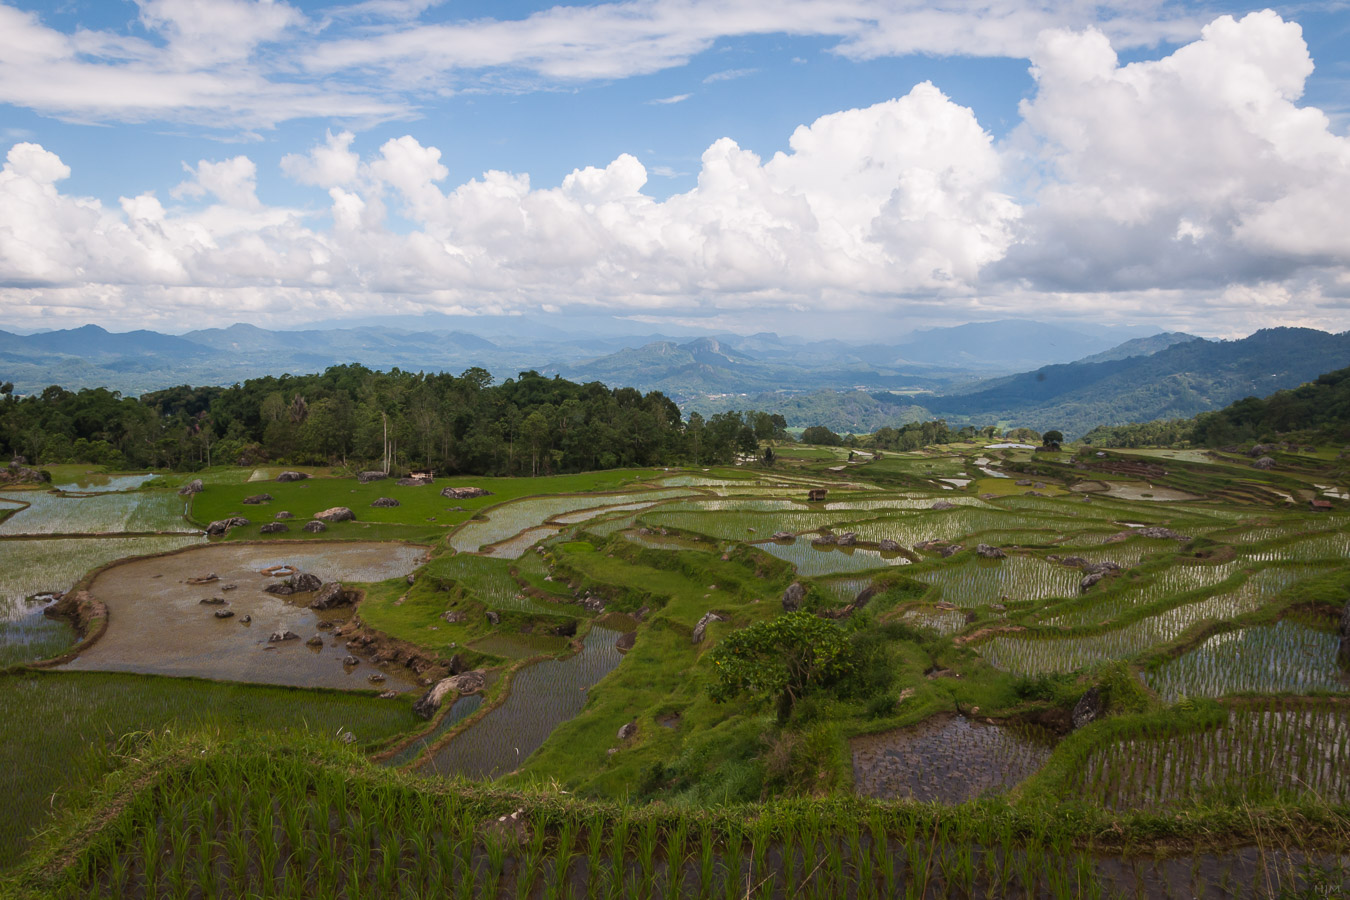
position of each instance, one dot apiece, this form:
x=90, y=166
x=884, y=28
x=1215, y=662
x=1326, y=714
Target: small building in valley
x=1321, y=505
x=816, y=494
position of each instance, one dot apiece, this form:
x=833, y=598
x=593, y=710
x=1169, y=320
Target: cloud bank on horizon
x=1189, y=189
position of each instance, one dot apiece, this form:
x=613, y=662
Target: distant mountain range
x=687, y=369
x=1012, y=372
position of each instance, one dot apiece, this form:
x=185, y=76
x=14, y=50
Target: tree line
x=359, y=418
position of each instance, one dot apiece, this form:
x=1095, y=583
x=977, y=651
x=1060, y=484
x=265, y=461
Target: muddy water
x=157, y=624
x=542, y=697
x=949, y=759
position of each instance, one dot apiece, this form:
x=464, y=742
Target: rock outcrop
x=274, y=528
x=466, y=683
x=257, y=498
x=278, y=637
x=702, y=627
x=944, y=504
x=464, y=493
x=331, y=595
x=224, y=614
x=292, y=476
x=793, y=597
x=627, y=641
x=283, y=515
x=1089, y=707
x=989, y=552
x=628, y=731
x=848, y=539
x=889, y=546
x=194, y=486
x=368, y=477
x=220, y=526
x=336, y=514
x=296, y=584
x=385, y=503
x=1264, y=463
x=315, y=527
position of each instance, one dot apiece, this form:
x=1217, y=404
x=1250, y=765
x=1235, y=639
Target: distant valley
x=1011, y=372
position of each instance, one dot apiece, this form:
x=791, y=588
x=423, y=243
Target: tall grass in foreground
x=299, y=820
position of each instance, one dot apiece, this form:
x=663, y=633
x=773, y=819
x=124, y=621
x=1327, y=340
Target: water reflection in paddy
x=157, y=624
x=97, y=483
x=949, y=759
x=542, y=697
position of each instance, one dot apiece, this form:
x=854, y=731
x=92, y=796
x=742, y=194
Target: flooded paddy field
x=158, y=624
x=949, y=759
x=1262, y=750
x=1286, y=657
x=48, y=512
x=542, y=696
x=830, y=559
x=39, y=568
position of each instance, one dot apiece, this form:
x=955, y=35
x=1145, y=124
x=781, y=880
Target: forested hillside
x=352, y=415
x=1318, y=412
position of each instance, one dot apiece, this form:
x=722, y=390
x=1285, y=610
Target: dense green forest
x=351, y=415
x=1318, y=412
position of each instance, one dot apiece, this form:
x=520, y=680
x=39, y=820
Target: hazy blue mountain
x=1177, y=382
x=1145, y=346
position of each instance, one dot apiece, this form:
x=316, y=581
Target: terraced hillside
x=1115, y=674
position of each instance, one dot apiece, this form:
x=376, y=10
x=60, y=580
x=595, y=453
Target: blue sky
x=837, y=166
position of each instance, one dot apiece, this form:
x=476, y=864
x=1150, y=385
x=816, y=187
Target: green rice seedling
x=1278, y=658
x=52, y=513
x=707, y=859
x=676, y=855
x=387, y=875
x=977, y=582
x=648, y=835
x=560, y=885
x=1024, y=655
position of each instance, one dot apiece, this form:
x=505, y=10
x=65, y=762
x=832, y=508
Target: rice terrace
x=969, y=668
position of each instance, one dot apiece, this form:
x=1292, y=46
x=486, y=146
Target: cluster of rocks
x=936, y=546
x=592, y=603
x=464, y=493
x=257, y=499
x=283, y=515
x=1264, y=463
x=292, y=476
x=274, y=528
x=220, y=526
x=194, y=486
x=1093, y=572
x=315, y=527
x=278, y=637
x=989, y=552
x=385, y=503
x=297, y=584
x=331, y=596
x=368, y=477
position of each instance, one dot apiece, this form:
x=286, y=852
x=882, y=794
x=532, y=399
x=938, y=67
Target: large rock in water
x=467, y=683
x=989, y=552
x=220, y=526
x=192, y=487
x=296, y=584
x=1089, y=707
x=330, y=595
x=336, y=514
x=793, y=596
x=292, y=476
